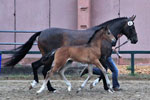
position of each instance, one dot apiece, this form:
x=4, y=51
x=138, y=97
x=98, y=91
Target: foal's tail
x=21, y=51
x=45, y=58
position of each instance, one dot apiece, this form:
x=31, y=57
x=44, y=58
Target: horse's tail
x=21, y=51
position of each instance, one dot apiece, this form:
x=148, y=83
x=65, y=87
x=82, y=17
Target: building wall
x=41, y=14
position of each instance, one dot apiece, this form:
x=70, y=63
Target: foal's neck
x=97, y=42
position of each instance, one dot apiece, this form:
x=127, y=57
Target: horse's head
x=108, y=35
x=129, y=30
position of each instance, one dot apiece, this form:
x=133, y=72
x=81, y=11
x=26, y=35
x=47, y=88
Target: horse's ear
x=132, y=18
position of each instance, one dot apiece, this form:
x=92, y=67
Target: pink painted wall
x=31, y=15
x=64, y=14
x=6, y=22
x=103, y=10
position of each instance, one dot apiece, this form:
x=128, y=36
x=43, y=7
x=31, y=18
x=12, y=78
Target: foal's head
x=102, y=33
x=106, y=34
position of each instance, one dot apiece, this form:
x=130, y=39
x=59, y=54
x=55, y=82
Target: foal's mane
x=91, y=38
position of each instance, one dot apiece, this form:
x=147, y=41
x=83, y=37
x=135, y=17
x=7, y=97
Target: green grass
x=140, y=76
x=128, y=68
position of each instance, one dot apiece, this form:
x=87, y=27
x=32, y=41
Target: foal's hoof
x=38, y=92
x=69, y=89
x=79, y=89
x=110, y=90
x=56, y=91
x=91, y=86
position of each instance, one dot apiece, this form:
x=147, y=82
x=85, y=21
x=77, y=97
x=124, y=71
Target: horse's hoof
x=91, y=86
x=33, y=84
x=30, y=87
x=77, y=91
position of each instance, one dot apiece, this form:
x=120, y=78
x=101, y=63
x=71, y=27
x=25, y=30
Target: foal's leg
x=63, y=76
x=47, y=78
x=58, y=64
x=45, y=71
x=48, y=75
x=35, y=67
x=90, y=73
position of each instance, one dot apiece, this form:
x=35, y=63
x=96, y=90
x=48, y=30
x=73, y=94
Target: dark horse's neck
x=115, y=25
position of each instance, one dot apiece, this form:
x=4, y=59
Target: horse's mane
x=108, y=23
x=99, y=27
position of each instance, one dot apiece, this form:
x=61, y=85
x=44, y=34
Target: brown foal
x=89, y=53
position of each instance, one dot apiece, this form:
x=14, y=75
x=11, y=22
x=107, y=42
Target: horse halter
x=130, y=23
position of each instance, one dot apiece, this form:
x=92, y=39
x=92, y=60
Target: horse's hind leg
x=90, y=73
x=46, y=68
x=35, y=67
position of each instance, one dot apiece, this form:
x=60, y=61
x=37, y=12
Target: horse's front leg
x=90, y=73
x=97, y=71
x=35, y=67
x=98, y=64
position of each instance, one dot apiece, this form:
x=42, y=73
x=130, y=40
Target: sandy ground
x=18, y=90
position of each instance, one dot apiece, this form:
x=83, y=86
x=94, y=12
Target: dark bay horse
x=88, y=53
x=53, y=38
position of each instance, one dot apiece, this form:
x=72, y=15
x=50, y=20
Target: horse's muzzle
x=134, y=41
